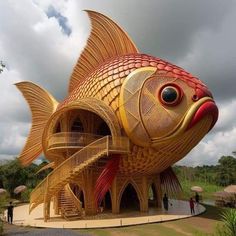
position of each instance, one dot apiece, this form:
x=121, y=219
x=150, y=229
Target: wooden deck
x=178, y=210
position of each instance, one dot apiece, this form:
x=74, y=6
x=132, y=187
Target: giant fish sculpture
x=163, y=110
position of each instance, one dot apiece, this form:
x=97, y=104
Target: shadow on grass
x=212, y=212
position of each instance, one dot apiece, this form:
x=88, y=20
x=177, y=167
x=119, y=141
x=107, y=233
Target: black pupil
x=169, y=95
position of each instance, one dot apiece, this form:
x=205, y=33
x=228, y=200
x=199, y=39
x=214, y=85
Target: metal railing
x=77, y=162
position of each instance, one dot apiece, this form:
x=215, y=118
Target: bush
x=3, y=202
x=229, y=219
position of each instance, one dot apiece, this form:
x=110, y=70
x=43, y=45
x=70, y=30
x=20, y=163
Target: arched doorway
x=78, y=192
x=106, y=203
x=57, y=128
x=77, y=126
x=152, y=196
x=103, y=129
x=129, y=200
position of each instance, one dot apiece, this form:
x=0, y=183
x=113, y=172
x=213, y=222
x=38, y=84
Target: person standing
x=197, y=198
x=191, y=204
x=10, y=213
x=165, y=202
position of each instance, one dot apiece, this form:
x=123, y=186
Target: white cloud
x=211, y=149
x=200, y=36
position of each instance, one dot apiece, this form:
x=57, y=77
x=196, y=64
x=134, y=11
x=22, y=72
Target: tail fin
x=42, y=105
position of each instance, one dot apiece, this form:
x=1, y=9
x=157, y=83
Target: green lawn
x=209, y=189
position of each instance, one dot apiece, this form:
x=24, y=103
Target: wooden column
x=46, y=205
x=114, y=197
x=89, y=200
x=144, y=195
x=56, y=204
x=158, y=192
x=46, y=212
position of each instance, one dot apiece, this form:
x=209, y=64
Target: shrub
x=3, y=202
x=229, y=219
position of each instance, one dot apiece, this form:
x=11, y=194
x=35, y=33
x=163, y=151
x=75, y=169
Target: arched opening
x=78, y=192
x=152, y=196
x=77, y=126
x=81, y=198
x=57, y=128
x=129, y=200
x=106, y=204
x=103, y=129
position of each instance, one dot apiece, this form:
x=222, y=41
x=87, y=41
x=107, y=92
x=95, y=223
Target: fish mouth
x=206, y=108
x=203, y=107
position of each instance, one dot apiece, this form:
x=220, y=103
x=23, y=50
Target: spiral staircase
x=57, y=182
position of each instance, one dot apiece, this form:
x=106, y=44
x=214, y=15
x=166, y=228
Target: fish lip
x=195, y=113
x=207, y=108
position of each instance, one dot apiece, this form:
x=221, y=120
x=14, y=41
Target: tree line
x=12, y=174
x=222, y=174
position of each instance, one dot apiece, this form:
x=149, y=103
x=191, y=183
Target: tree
x=226, y=171
x=12, y=174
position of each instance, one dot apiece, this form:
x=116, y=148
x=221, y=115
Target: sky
x=41, y=40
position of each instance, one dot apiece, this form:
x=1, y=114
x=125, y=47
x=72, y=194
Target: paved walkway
x=178, y=210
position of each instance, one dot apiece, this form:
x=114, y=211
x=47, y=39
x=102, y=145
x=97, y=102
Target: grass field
x=208, y=188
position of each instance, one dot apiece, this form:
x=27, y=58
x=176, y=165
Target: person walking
x=10, y=213
x=165, y=202
x=191, y=204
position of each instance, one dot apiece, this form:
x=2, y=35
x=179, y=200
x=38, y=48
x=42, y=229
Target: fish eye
x=170, y=95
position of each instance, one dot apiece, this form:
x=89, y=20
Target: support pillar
x=46, y=211
x=56, y=204
x=159, y=192
x=114, y=197
x=144, y=195
x=89, y=199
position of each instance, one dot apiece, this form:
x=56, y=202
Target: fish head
x=160, y=108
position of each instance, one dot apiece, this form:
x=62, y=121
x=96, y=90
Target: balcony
x=76, y=140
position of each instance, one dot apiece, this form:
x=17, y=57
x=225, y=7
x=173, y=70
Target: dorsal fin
x=106, y=40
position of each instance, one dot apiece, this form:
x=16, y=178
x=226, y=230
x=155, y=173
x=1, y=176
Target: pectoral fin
x=42, y=105
x=170, y=183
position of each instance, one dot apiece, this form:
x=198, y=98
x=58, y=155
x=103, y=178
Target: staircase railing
x=75, y=200
x=77, y=162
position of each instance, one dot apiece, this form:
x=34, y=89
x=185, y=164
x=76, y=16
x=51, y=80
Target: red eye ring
x=170, y=94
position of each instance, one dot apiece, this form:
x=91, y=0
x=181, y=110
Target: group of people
x=191, y=202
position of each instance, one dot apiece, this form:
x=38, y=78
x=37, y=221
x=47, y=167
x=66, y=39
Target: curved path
x=178, y=210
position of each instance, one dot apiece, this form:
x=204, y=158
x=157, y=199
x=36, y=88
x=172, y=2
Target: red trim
x=208, y=108
x=105, y=179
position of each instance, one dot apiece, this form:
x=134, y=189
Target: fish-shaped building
x=127, y=118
